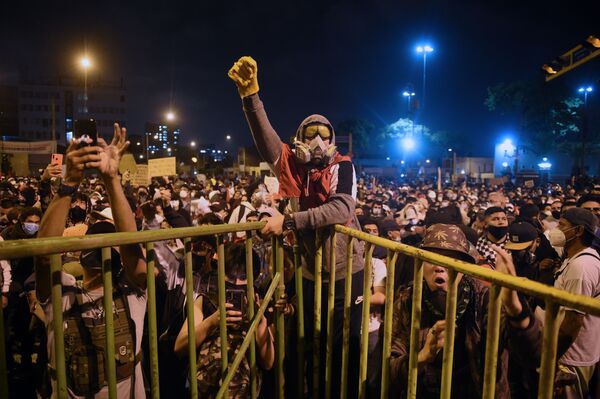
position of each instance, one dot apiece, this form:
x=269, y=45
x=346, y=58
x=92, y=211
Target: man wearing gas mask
x=322, y=184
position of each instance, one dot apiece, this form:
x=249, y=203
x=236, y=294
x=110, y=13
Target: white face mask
x=183, y=194
x=431, y=195
x=159, y=218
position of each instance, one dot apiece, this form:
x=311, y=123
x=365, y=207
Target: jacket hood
x=316, y=118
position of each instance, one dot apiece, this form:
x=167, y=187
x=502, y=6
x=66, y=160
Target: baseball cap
x=520, y=236
x=582, y=217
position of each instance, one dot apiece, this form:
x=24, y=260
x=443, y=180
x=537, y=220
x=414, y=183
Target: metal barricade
x=53, y=247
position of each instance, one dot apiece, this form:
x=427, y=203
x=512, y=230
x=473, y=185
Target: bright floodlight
x=408, y=143
x=170, y=116
x=141, y=156
x=424, y=49
x=194, y=159
x=85, y=62
x=505, y=164
x=427, y=161
x=449, y=149
x=228, y=137
x=193, y=144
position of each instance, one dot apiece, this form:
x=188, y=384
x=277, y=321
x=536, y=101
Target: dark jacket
x=469, y=357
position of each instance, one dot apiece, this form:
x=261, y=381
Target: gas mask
x=309, y=141
x=316, y=151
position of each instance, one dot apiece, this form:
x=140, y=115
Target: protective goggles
x=317, y=129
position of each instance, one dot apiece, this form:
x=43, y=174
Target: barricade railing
x=554, y=298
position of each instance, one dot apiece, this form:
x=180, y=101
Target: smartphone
x=57, y=159
x=237, y=298
x=85, y=132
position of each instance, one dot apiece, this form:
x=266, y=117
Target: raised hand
x=110, y=154
x=244, y=74
x=79, y=159
x=510, y=299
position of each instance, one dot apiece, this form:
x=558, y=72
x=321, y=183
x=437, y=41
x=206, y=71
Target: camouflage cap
x=447, y=237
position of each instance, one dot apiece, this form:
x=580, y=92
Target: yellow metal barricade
x=554, y=299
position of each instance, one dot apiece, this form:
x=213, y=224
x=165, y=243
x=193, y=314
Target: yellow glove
x=244, y=74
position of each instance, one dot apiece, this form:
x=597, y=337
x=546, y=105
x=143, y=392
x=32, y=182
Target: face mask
x=77, y=214
x=569, y=239
x=556, y=214
x=376, y=211
x=431, y=195
x=159, y=218
x=498, y=232
x=183, y=194
x=524, y=257
x=30, y=228
x=93, y=201
x=440, y=198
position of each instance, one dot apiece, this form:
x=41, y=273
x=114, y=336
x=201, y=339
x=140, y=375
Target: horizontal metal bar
x=579, y=302
x=53, y=245
x=249, y=335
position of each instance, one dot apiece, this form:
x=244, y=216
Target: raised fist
x=244, y=74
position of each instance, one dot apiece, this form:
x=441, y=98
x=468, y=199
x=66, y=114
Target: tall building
x=9, y=112
x=162, y=139
x=48, y=107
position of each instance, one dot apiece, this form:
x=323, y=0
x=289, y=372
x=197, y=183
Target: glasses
x=595, y=210
x=312, y=131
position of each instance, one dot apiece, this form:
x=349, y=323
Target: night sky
x=341, y=59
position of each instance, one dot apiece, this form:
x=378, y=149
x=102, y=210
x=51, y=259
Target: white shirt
x=378, y=276
x=580, y=274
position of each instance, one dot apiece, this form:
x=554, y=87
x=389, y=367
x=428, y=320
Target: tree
x=550, y=116
x=363, y=134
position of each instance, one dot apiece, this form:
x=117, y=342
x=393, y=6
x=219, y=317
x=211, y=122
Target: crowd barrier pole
x=277, y=278
x=491, y=345
x=330, y=311
x=222, y=308
x=448, y=358
x=59, y=334
x=3, y=365
x=250, y=297
x=299, y=316
x=279, y=321
x=152, y=328
x=191, y=322
x=549, y=344
x=317, y=312
x=387, y=324
x=366, y=311
x=346, y=327
x=109, y=348
x=415, y=328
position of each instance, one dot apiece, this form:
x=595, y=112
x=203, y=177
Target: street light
x=424, y=49
x=585, y=91
x=170, y=116
x=86, y=64
x=409, y=95
x=193, y=144
x=228, y=137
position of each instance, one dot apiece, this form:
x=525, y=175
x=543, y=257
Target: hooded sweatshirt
x=326, y=194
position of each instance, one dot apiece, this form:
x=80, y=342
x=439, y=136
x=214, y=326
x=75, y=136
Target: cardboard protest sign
x=162, y=167
x=140, y=178
x=272, y=184
x=529, y=183
x=127, y=163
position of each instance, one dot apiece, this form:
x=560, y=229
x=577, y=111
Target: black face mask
x=77, y=214
x=524, y=263
x=556, y=214
x=498, y=232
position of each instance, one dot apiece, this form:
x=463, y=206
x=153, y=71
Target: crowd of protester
x=543, y=233
x=547, y=234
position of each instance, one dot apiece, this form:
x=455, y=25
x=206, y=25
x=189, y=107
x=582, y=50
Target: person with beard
x=82, y=301
x=518, y=326
x=495, y=233
x=322, y=184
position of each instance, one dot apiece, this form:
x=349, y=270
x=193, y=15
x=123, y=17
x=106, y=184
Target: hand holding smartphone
x=85, y=132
